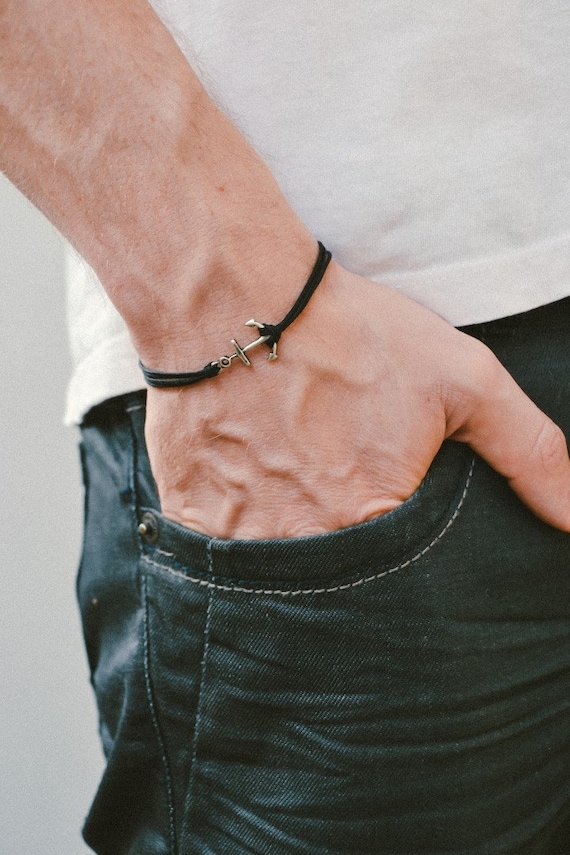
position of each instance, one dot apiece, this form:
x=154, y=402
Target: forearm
x=105, y=127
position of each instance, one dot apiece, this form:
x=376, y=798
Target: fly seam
x=200, y=700
x=155, y=722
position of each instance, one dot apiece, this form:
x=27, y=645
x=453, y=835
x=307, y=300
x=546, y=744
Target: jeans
x=401, y=687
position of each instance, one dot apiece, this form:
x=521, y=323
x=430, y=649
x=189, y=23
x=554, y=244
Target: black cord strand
x=163, y=380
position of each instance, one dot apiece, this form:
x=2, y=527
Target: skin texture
x=121, y=156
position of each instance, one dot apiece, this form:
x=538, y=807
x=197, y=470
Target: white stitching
x=268, y=591
x=154, y=717
x=134, y=408
x=203, y=664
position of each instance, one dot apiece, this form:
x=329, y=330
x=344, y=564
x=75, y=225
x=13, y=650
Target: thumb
x=515, y=437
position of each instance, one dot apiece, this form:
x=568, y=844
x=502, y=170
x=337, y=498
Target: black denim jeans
x=401, y=687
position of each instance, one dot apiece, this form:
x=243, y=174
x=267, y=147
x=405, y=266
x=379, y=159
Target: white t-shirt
x=427, y=145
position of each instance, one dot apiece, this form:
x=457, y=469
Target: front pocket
x=320, y=562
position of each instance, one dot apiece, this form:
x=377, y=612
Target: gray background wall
x=50, y=759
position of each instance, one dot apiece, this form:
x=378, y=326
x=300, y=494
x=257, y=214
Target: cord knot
x=273, y=331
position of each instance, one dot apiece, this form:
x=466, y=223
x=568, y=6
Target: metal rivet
x=148, y=528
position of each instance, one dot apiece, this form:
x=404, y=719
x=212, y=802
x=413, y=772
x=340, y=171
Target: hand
x=344, y=425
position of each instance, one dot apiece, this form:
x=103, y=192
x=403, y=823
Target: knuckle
x=550, y=447
x=477, y=380
x=484, y=372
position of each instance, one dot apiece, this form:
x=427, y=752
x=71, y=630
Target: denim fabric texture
x=401, y=687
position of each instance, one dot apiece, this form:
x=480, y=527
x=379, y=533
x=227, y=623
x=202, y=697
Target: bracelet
x=269, y=334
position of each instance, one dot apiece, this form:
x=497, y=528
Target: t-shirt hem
x=486, y=289
x=110, y=370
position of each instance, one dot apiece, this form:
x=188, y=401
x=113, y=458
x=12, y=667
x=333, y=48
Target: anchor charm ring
x=241, y=352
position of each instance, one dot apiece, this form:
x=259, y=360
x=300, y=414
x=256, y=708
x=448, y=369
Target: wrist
x=226, y=247
x=208, y=242
x=197, y=316
x=267, y=334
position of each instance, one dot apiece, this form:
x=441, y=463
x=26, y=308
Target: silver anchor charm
x=241, y=352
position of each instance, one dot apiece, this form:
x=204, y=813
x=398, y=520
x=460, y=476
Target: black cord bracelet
x=269, y=334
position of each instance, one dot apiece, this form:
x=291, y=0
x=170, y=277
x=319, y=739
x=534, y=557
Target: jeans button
x=148, y=528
